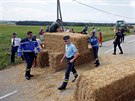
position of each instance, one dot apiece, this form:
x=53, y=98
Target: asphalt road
x=128, y=46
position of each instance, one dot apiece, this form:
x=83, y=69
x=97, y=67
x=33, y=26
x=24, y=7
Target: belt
x=70, y=57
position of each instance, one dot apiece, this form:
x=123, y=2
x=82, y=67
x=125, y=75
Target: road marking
x=109, y=50
x=121, y=45
x=130, y=41
x=2, y=97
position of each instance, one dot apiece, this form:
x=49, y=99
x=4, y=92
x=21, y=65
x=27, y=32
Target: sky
x=72, y=11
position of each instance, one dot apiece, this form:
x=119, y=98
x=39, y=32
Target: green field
x=6, y=34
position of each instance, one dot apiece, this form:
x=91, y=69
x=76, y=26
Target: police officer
x=15, y=42
x=71, y=54
x=93, y=40
x=27, y=47
x=117, y=41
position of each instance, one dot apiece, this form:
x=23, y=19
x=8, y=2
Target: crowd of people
x=29, y=47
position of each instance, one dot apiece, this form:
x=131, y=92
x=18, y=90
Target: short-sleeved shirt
x=70, y=50
x=54, y=26
x=16, y=41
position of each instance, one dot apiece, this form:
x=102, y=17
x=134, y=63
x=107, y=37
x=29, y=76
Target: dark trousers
x=95, y=52
x=70, y=67
x=122, y=38
x=13, y=51
x=29, y=57
x=115, y=46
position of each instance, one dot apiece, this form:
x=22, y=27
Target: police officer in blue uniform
x=27, y=47
x=71, y=54
x=93, y=40
x=117, y=41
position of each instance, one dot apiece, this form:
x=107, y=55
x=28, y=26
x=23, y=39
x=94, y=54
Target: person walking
x=15, y=42
x=27, y=47
x=71, y=54
x=117, y=41
x=93, y=40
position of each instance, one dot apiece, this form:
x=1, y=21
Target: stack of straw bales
x=110, y=83
x=54, y=61
x=55, y=45
x=43, y=58
x=54, y=41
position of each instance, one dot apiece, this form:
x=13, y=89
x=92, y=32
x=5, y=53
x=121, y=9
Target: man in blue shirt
x=93, y=40
x=71, y=54
x=27, y=48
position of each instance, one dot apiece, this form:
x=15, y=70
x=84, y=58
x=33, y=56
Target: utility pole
x=59, y=15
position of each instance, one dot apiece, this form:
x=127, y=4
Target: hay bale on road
x=55, y=57
x=54, y=61
x=43, y=58
x=54, y=41
x=110, y=83
x=86, y=56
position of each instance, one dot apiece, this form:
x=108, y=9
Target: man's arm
x=63, y=57
x=75, y=57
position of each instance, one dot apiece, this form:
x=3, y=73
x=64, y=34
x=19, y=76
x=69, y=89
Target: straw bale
x=43, y=58
x=54, y=41
x=85, y=57
x=55, y=57
x=54, y=61
x=110, y=83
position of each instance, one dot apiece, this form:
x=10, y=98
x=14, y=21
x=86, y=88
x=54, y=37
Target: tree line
x=45, y=23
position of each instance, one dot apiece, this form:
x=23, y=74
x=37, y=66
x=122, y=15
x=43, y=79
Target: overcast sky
x=46, y=10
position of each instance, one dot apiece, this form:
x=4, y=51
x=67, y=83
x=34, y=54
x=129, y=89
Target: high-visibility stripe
x=94, y=45
x=28, y=42
x=66, y=80
x=27, y=69
x=27, y=50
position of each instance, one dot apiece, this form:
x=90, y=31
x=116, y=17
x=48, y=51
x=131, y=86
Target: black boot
x=97, y=63
x=121, y=53
x=75, y=78
x=27, y=75
x=63, y=87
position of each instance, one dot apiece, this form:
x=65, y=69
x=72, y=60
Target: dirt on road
x=43, y=86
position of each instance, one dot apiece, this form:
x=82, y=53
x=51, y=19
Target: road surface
x=43, y=86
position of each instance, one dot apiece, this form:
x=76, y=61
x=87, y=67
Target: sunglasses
x=65, y=41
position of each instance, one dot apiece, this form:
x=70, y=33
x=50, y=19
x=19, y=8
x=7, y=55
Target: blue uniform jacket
x=28, y=46
x=93, y=41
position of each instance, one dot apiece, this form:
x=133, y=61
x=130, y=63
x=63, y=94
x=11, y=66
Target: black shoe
x=114, y=53
x=31, y=75
x=62, y=88
x=94, y=62
x=27, y=77
x=75, y=78
x=121, y=53
x=97, y=65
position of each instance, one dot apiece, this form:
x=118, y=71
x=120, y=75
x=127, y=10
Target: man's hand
x=72, y=60
x=61, y=60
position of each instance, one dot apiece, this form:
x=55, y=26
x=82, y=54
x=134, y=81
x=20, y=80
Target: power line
x=102, y=10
